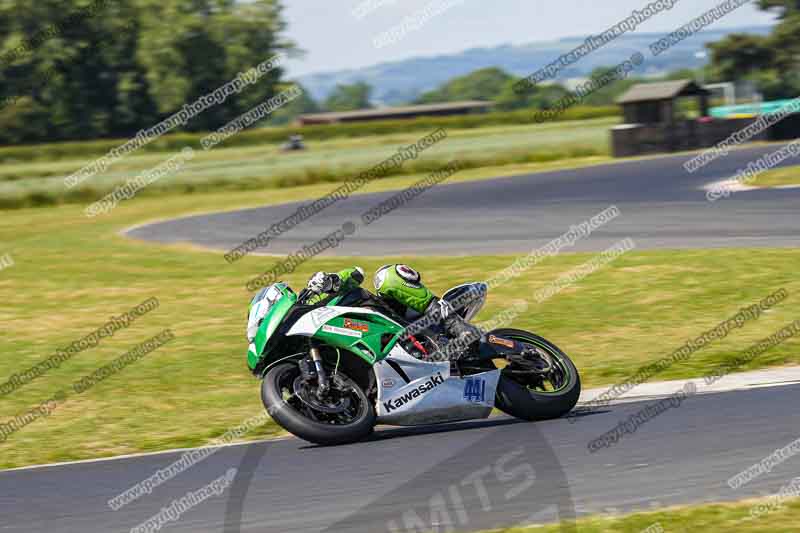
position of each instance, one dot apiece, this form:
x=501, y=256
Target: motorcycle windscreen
x=267, y=311
x=467, y=299
x=260, y=306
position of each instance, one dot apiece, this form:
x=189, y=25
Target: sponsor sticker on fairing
x=356, y=325
x=475, y=390
x=501, y=342
x=400, y=401
x=341, y=331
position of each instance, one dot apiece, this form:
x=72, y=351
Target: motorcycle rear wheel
x=527, y=396
x=348, y=420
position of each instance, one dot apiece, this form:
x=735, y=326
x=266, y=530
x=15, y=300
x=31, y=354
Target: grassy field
x=778, y=177
x=30, y=184
x=70, y=274
x=261, y=135
x=719, y=518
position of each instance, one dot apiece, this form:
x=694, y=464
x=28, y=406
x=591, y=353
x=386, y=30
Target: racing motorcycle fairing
x=268, y=310
x=369, y=334
x=413, y=392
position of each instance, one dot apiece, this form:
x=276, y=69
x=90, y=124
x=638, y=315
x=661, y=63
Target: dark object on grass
x=295, y=142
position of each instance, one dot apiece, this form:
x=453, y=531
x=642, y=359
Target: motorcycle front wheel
x=343, y=416
x=538, y=396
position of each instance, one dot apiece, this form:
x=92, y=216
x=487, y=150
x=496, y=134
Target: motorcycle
x=334, y=370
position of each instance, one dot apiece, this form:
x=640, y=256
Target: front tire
x=286, y=408
x=520, y=400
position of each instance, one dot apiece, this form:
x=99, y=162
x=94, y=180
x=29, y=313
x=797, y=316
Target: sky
x=335, y=39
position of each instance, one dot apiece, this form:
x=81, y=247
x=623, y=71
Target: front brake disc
x=308, y=396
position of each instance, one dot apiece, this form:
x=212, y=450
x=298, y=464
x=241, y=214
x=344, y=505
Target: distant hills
x=401, y=81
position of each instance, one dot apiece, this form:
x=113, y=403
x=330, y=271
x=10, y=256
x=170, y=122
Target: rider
x=399, y=286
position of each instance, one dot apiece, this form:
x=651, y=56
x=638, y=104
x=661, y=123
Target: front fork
x=318, y=371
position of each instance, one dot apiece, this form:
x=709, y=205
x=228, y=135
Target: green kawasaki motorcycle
x=332, y=371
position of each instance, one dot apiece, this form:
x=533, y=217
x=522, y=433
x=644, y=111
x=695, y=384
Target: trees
x=772, y=62
x=607, y=94
x=349, y=97
x=482, y=84
x=536, y=97
x=494, y=85
x=79, y=69
x=302, y=104
x=739, y=55
x=786, y=8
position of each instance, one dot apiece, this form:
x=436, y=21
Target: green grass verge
x=715, y=518
x=778, y=177
x=72, y=273
x=274, y=135
x=225, y=168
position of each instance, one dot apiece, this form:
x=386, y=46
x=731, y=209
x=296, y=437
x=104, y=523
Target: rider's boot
x=463, y=334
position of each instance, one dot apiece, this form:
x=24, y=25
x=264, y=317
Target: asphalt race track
x=662, y=206
x=473, y=475
x=491, y=473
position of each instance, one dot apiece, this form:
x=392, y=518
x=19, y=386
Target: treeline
x=771, y=62
x=88, y=69
x=487, y=84
x=74, y=70
x=498, y=87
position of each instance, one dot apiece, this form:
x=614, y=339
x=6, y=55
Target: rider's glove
x=322, y=282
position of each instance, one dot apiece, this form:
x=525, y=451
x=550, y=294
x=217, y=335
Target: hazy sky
x=335, y=39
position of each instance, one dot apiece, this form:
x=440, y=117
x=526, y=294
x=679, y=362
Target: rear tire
x=519, y=401
x=295, y=422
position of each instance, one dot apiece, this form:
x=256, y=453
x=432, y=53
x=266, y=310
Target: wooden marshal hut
x=669, y=116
